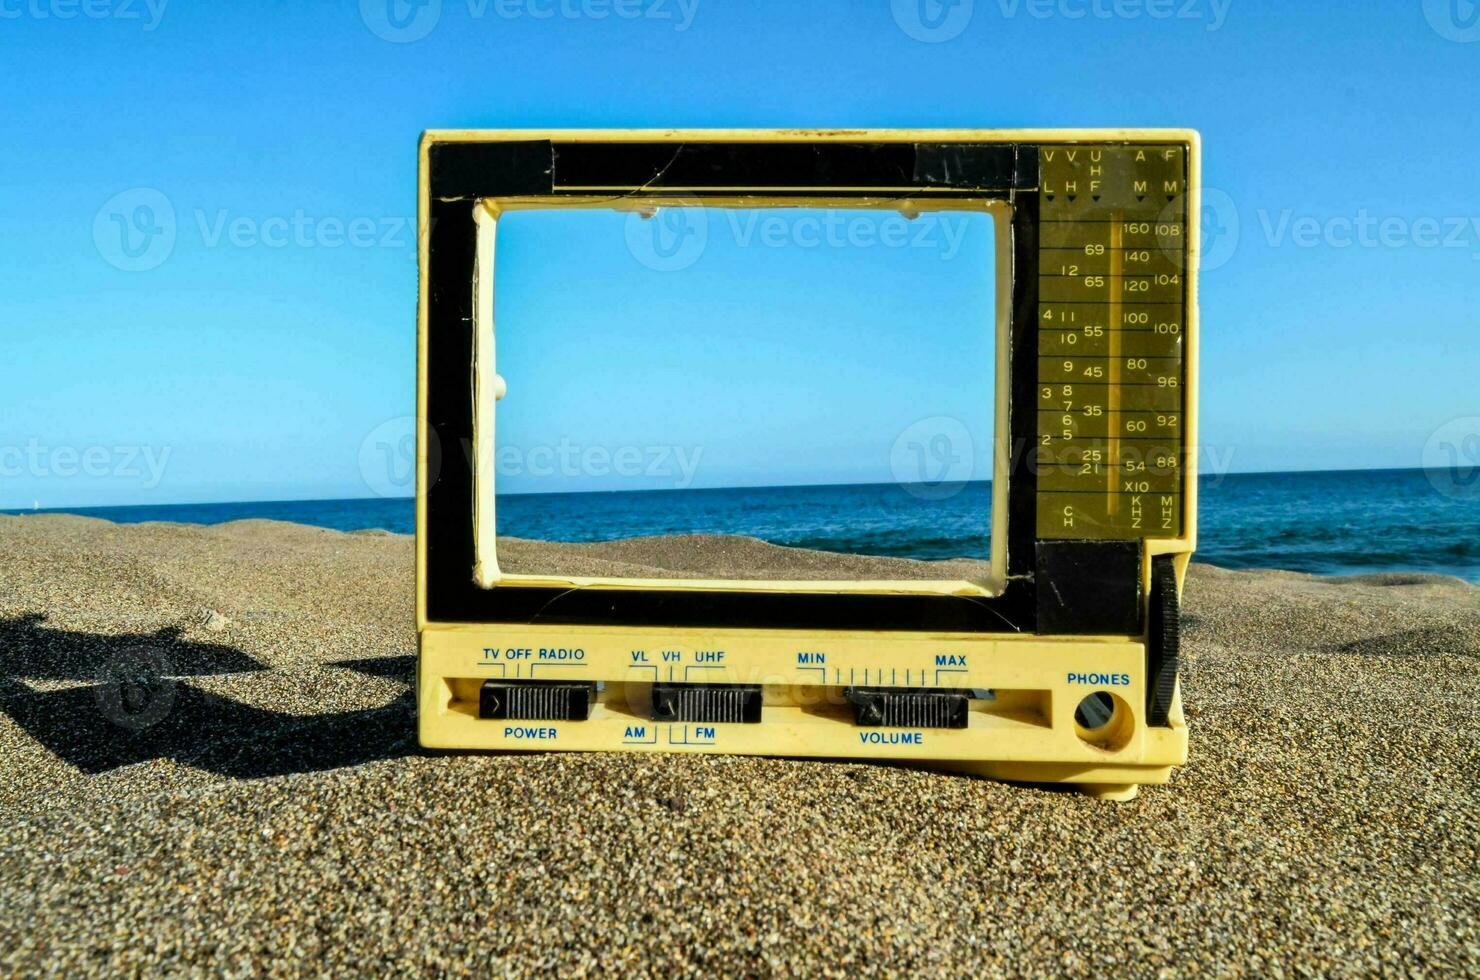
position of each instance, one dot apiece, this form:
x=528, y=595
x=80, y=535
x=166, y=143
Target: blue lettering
x=522, y=732
x=891, y=738
x=1101, y=680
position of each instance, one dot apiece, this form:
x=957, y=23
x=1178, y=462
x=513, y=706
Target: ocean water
x=1332, y=523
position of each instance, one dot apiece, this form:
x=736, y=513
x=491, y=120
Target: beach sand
x=718, y=556
x=277, y=814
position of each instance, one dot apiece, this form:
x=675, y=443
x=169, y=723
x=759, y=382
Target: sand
x=278, y=816
x=680, y=556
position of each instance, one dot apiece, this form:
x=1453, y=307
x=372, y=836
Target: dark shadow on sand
x=136, y=708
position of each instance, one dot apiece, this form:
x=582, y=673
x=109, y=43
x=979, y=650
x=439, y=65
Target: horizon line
x=564, y=493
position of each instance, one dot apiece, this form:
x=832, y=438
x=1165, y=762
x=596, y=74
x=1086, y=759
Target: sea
x=1325, y=523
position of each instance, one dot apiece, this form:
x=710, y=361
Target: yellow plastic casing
x=1025, y=731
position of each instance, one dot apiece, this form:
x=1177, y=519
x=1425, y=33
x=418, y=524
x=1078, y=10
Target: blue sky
x=865, y=324
x=267, y=351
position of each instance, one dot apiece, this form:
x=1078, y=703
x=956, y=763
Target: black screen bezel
x=460, y=173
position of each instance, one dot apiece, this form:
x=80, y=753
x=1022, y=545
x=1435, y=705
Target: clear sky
x=260, y=345
x=755, y=347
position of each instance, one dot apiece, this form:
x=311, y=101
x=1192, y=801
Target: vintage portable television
x=1060, y=666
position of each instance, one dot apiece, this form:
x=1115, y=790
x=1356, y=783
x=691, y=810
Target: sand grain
x=278, y=815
